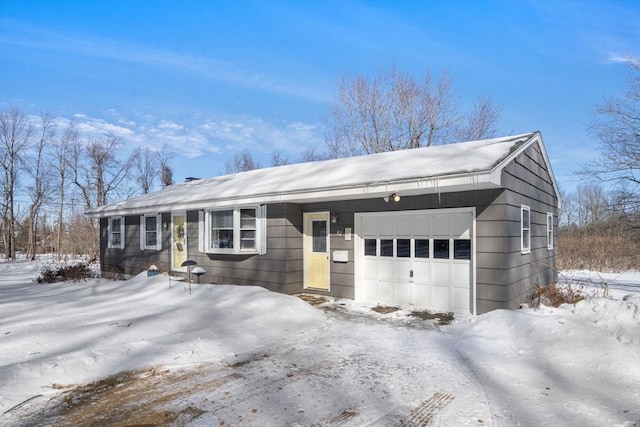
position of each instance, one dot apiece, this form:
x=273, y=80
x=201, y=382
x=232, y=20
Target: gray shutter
x=122, y=236
x=143, y=230
x=159, y=232
x=201, y=236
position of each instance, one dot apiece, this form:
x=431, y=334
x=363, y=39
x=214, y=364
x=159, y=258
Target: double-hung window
x=549, y=231
x=222, y=230
x=151, y=232
x=115, y=232
x=525, y=229
x=236, y=230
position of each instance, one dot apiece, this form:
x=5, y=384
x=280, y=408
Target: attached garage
x=420, y=258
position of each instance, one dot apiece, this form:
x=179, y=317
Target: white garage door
x=420, y=258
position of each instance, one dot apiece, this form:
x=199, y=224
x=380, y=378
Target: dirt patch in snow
x=314, y=300
x=384, y=309
x=441, y=318
x=333, y=305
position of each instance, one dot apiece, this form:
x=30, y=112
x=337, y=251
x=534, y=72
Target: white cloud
x=165, y=124
x=617, y=59
x=93, y=126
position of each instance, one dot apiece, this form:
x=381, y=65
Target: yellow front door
x=316, y=250
x=179, y=241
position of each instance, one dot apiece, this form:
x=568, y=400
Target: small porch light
x=334, y=218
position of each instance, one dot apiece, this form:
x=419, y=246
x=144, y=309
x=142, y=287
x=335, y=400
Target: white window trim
x=204, y=231
x=525, y=247
x=143, y=233
x=550, y=231
x=110, y=244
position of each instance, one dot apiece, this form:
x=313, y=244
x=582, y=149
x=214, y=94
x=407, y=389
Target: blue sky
x=212, y=78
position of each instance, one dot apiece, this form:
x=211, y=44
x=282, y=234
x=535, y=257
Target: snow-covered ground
x=263, y=358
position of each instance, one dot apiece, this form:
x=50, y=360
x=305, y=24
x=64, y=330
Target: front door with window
x=316, y=250
x=178, y=241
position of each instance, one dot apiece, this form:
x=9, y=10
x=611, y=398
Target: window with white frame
x=235, y=230
x=115, y=232
x=549, y=231
x=525, y=229
x=151, y=232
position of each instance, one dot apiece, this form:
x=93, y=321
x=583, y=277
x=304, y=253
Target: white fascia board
x=443, y=184
x=550, y=170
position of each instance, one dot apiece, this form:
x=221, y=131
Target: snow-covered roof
x=443, y=168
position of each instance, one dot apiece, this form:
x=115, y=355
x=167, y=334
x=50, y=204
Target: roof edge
x=536, y=137
x=414, y=186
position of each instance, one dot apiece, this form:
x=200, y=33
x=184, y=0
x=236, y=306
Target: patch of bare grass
x=554, y=295
x=565, y=292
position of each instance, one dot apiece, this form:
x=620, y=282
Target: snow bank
x=69, y=333
x=572, y=365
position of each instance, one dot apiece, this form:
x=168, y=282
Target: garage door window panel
x=462, y=249
x=371, y=247
x=421, y=249
x=386, y=247
x=403, y=248
x=441, y=248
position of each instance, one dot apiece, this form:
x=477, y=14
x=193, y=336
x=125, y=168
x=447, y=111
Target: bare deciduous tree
x=97, y=171
x=166, y=173
x=16, y=131
x=146, y=168
x=313, y=155
x=61, y=148
x=40, y=180
x=617, y=127
x=279, y=158
x=479, y=122
x=395, y=112
x=241, y=162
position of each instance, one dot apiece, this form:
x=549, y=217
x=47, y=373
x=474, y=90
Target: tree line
x=50, y=168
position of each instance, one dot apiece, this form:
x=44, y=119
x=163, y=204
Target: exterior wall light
x=334, y=218
x=395, y=197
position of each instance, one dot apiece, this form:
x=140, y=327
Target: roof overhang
x=413, y=187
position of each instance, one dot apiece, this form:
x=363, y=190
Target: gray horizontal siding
x=505, y=276
x=131, y=260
